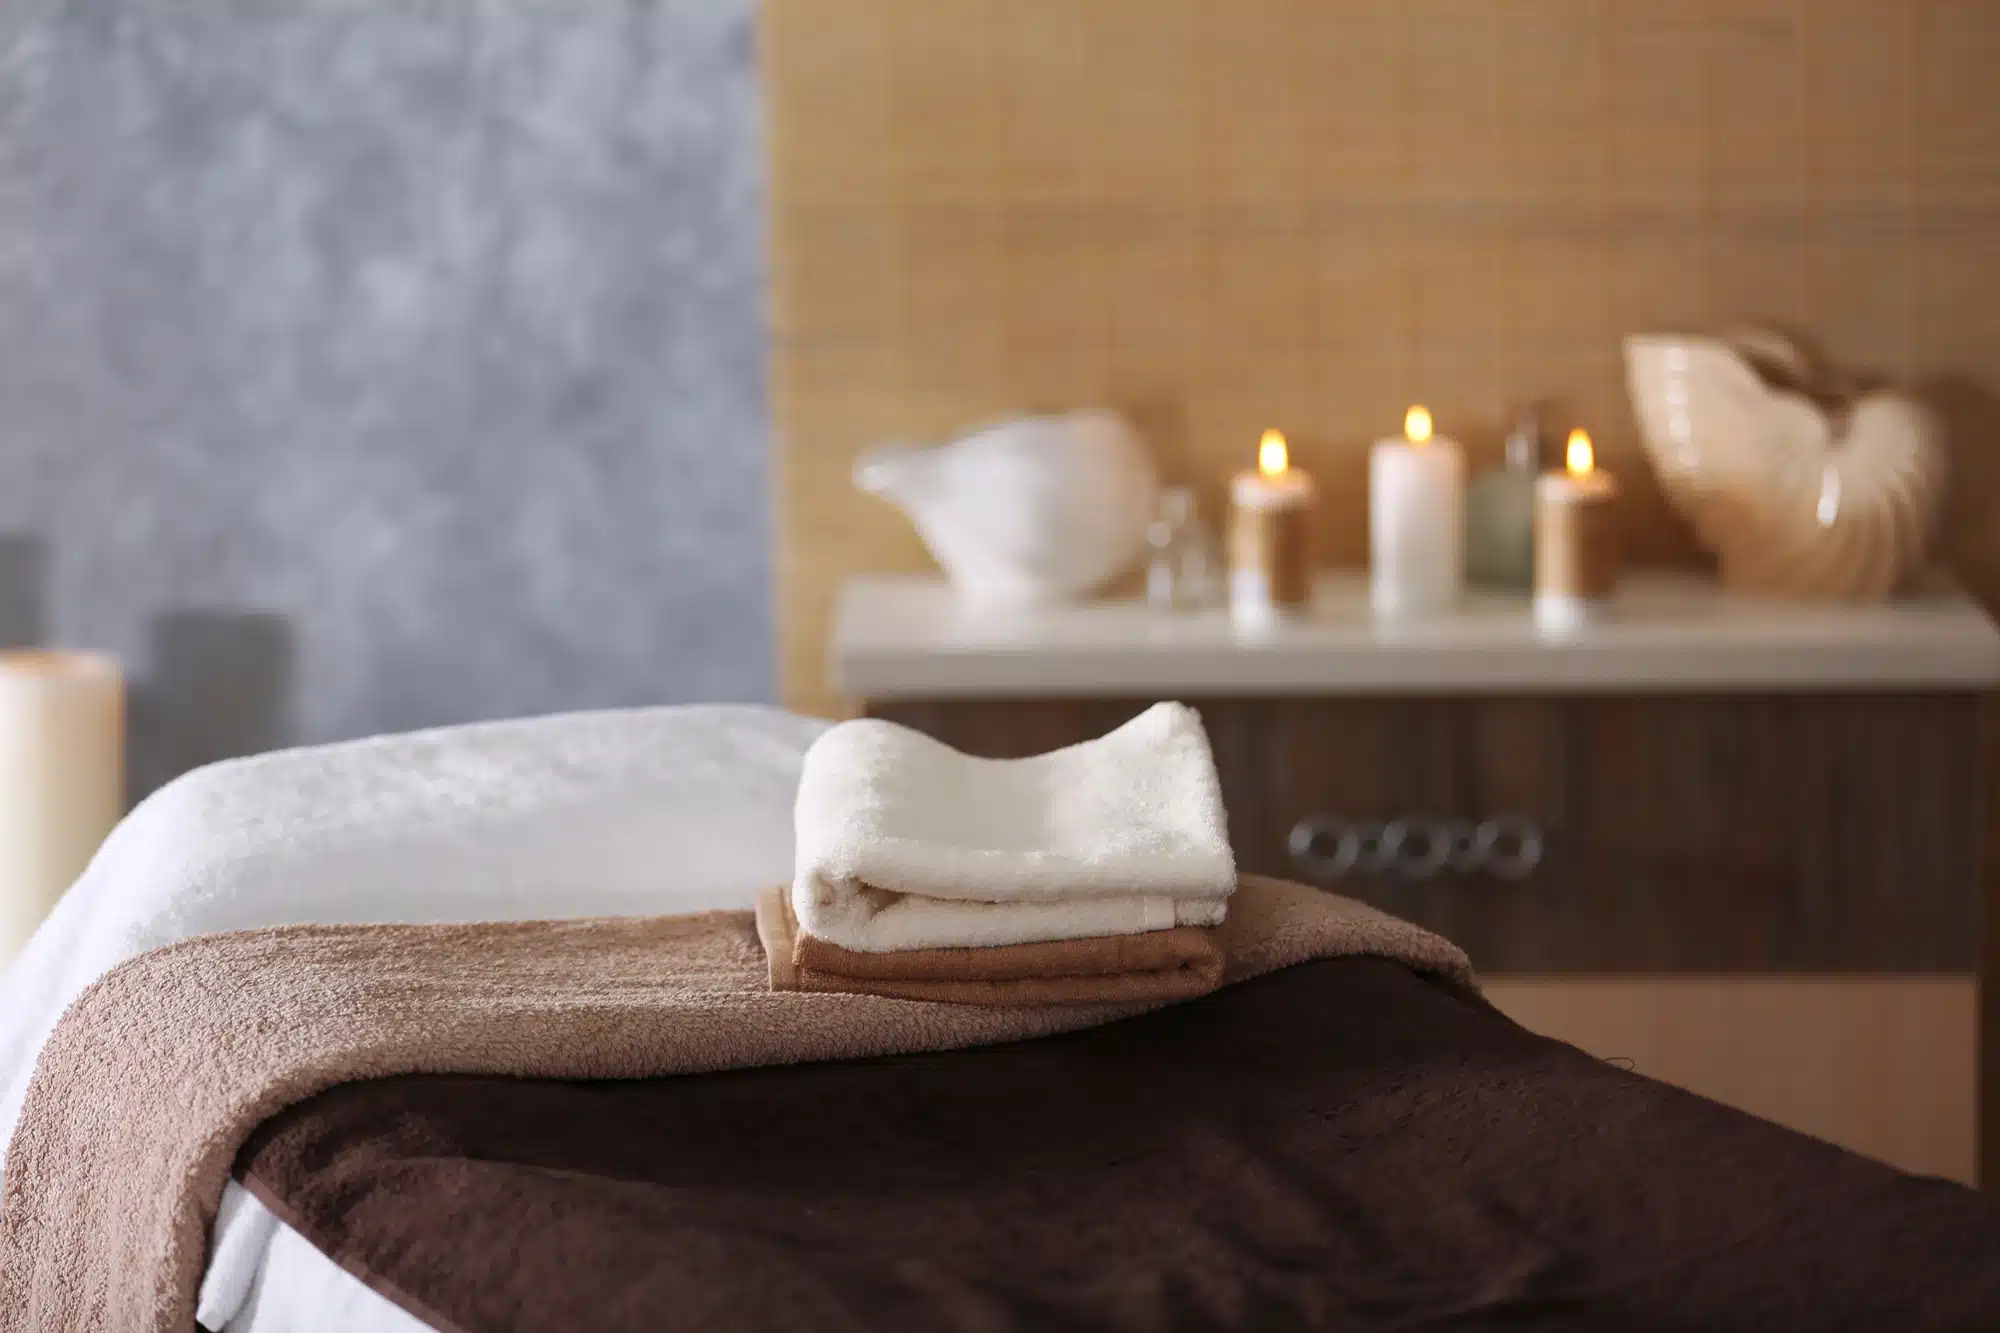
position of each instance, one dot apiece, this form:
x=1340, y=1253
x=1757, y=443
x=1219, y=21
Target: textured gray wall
x=370, y=364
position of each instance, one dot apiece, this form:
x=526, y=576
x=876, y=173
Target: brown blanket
x=1339, y=1145
x=158, y=1072
x=1153, y=966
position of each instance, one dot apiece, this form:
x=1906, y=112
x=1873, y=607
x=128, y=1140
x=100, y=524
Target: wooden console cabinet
x=1738, y=845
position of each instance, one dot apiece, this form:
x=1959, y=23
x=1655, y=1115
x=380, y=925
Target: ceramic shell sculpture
x=1799, y=483
x=1032, y=510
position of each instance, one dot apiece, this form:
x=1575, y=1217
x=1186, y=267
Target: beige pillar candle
x=62, y=778
x=1270, y=537
x=1576, y=540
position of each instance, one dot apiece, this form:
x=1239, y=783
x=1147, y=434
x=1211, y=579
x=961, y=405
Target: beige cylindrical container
x=62, y=778
x=1576, y=541
x=1271, y=555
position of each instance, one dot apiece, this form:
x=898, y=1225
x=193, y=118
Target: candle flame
x=1272, y=456
x=1417, y=425
x=1579, y=455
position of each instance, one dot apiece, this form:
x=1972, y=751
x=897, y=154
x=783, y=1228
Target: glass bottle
x=1182, y=571
x=1500, y=513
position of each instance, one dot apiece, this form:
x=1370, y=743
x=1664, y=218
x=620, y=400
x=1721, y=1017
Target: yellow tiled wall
x=1227, y=214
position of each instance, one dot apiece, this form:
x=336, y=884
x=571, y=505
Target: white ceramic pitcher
x=1031, y=510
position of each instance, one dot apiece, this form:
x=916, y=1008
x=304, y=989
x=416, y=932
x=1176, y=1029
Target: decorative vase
x=1801, y=484
x=1031, y=510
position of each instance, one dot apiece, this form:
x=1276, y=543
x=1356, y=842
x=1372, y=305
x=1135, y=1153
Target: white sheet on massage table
x=636, y=812
x=263, y=1277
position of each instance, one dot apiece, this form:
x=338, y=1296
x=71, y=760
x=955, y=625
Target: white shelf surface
x=907, y=636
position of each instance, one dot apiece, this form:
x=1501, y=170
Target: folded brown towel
x=1155, y=965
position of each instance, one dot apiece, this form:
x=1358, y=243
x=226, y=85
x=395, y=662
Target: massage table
x=1343, y=1143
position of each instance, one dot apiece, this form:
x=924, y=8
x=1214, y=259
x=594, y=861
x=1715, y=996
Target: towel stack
x=1089, y=874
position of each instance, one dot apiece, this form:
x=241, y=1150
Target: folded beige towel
x=1156, y=965
x=159, y=1071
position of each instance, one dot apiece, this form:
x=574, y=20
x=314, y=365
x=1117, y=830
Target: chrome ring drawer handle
x=1422, y=846
x=1494, y=837
x=1381, y=843
x=1416, y=847
x=1465, y=854
x=1323, y=846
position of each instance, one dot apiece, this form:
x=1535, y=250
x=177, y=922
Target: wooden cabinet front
x=1595, y=835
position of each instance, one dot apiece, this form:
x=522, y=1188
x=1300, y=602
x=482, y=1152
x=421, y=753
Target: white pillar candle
x=62, y=778
x=1416, y=521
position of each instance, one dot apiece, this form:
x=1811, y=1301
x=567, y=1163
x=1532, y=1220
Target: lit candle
x=1270, y=536
x=1576, y=540
x=1416, y=521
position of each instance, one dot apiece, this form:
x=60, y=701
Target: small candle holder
x=1270, y=538
x=1181, y=568
x=1576, y=542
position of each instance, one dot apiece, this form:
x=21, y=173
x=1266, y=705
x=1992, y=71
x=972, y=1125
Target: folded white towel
x=904, y=843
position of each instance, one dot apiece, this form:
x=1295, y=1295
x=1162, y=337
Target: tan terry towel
x=1155, y=965
x=159, y=1071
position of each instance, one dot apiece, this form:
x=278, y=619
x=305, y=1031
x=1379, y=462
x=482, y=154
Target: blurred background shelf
x=906, y=636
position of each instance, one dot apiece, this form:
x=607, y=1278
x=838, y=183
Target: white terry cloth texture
x=905, y=843
x=621, y=813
